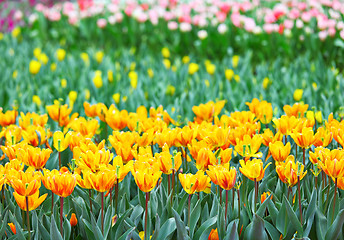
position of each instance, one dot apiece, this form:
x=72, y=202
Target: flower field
x=172, y=120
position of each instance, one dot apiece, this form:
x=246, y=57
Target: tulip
x=278, y=151
x=33, y=156
x=73, y=220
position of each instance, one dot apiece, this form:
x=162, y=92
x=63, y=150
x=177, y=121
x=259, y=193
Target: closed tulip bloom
x=62, y=182
x=264, y=196
x=90, y=110
x=73, y=220
x=13, y=228
x=305, y=138
x=213, y=235
x=25, y=183
x=278, y=151
x=7, y=118
x=34, y=156
x=225, y=177
x=146, y=175
x=102, y=180
x=253, y=169
x=34, y=67
x=33, y=200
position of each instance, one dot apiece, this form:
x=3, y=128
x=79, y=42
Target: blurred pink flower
x=101, y=22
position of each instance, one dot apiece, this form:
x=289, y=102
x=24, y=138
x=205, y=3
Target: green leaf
x=157, y=227
x=3, y=225
x=96, y=230
x=293, y=218
x=54, y=231
x=321, y=223
x=282, y=221
x=127, y=234
x=336, y=227
x=233, y=233
x=261, y=210
x=118, y=226
x=274, y=234
x=181, y=229
x=167, y=229
x=195, y=214
x=256, y=229
x=205, y=227
x=66, y=228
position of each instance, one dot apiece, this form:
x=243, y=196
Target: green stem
x=102, y=196
x=116, y=197
x=189, y=205
x=61, y=215
x=238, y=192
x=146, y=216
x=59, y=160
x=27, y=216
x=299, y=191
x=89, y=196
x=334, y=199
x=304, y=156
x=52, y=203
x=255, y=193
x=173, y=177
x=226, y=207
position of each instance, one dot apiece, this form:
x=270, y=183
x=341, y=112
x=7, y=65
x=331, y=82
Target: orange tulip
x=102, y=180
x=264, y=196
x=35, y=119
x=278, y=151
x=288, y=171
x=332, y=163
x=323, y=137
x=116, y=119
x=73, y=220
x=222, y=176
x=253, y=169
x=167, y=161
x=33, y=200
x=213, y=235
x=146, y=175
x=13, y=228
x=25, y=183
x=90, y=110
x=192, y=183
x=62, y=182
x=297, y=110
x=60, y=113
x=8, y=118
x=86, y=128
x=34, y=156
x=305, y=138
x=206, y=112
x=263, y=110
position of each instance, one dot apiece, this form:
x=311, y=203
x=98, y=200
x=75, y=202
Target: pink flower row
x=322, y=17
